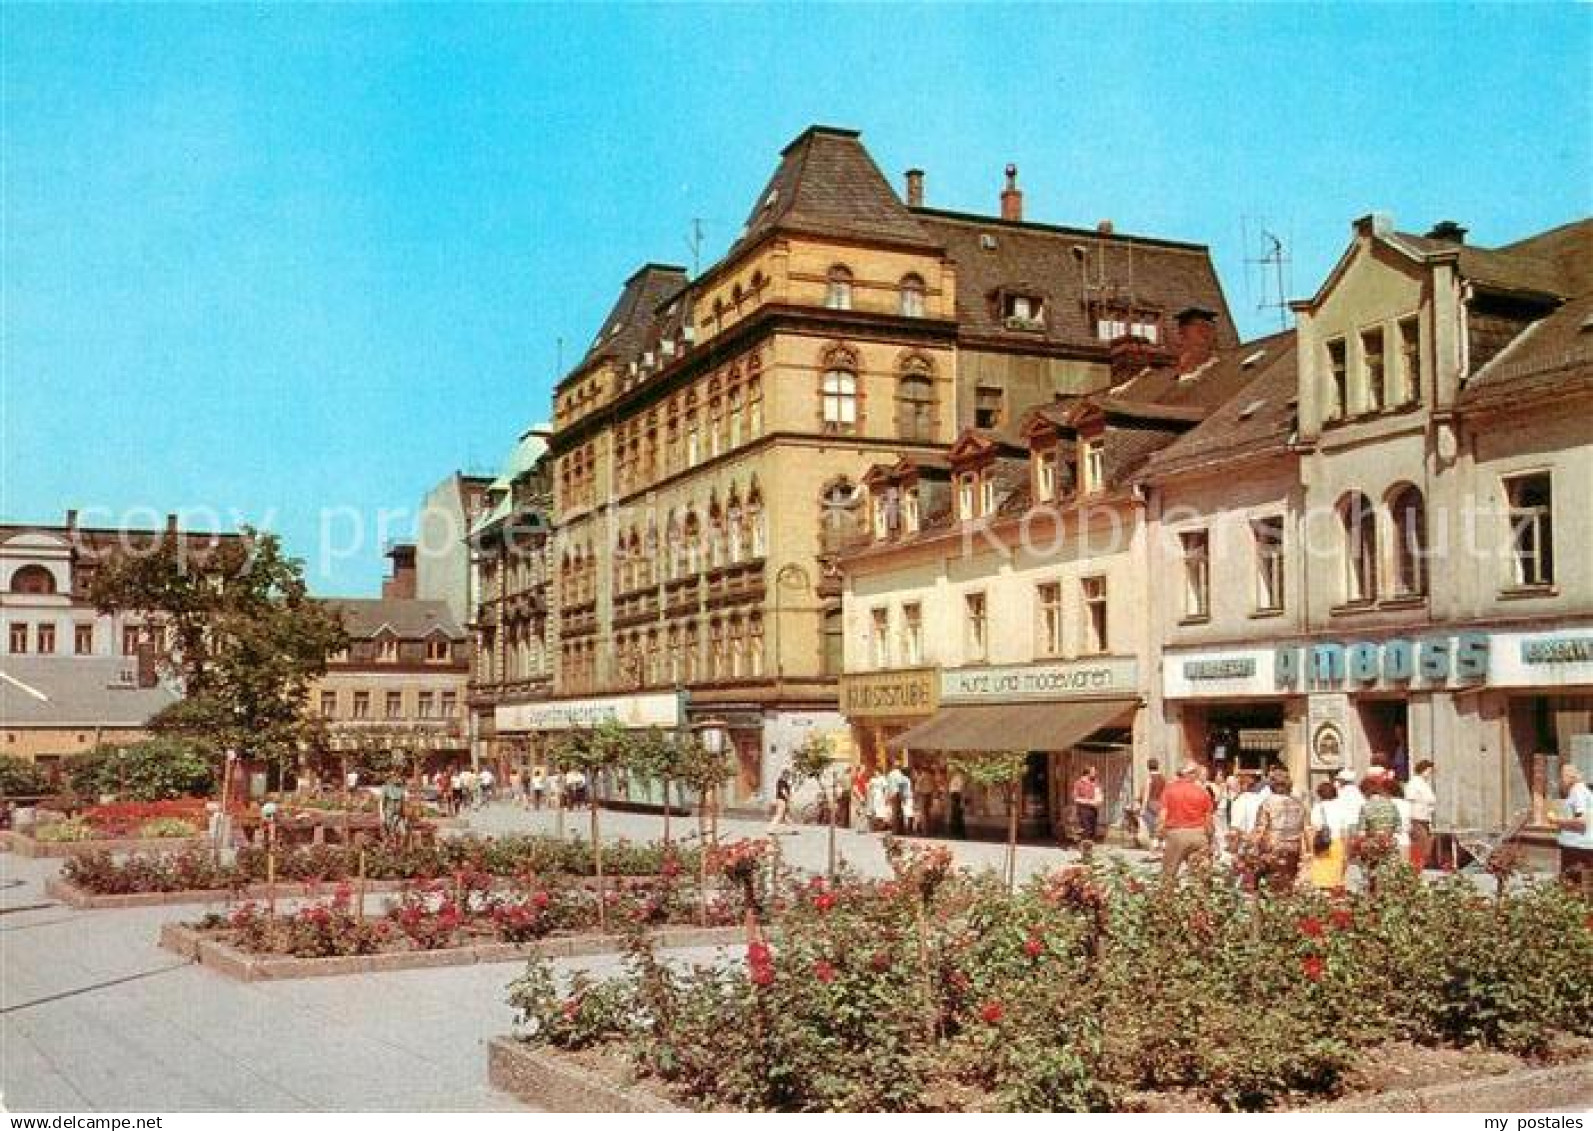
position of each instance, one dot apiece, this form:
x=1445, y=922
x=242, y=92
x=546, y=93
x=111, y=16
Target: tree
x=703, y=771
x=597, y=753
x=1002, y=769
x=21, y=778
x=653, y=756
x=243, y=637
x=814, y=761
x=153, y=770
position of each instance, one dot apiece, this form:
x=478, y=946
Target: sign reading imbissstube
x=892, y=694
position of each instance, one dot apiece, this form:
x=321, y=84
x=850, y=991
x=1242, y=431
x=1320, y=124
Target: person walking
x=1188, y=822
x=1280, y=834
x=1150, y=804
x=782, y=803
x=539, y=786
x=1329, y=839
x=1423, y=804
x=1575, y=827
x=896, y=787
x=1087, y=804
x=484, y=783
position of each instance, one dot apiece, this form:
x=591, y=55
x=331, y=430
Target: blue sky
x=270, y=261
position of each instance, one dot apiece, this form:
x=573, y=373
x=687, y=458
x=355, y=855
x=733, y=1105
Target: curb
x=1563, y=1087
x=553, y=1083
x=31, y=849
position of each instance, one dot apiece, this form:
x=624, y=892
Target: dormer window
x=1092, y=468
x=1045, y=476
x=838, y=293
x=987, y=495
x=967, y=496
x=1113, y=322
x=910, y=512
x=1023, y=311
x=387, y=650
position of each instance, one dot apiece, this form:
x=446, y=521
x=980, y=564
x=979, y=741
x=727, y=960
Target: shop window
x=1268, y=535
x=976, y=628
x=1409, y=514
x=1359, y=521
x=1196, y=549
x=1531, y=505
x=1410, y=360
x=1049, y=598
x=1093, y=592
x=912, y=633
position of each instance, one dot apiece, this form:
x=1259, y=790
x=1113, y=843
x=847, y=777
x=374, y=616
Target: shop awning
x=1014, y=726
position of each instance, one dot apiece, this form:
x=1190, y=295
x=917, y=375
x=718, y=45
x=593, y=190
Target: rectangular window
x=83, y=639
x=395, y=704
x=328, y=704
x=879, y=638
x=987, y=406
x=437, y=649
x=19, y=638
x=46, y=638
x=987, y=495
x=1268, y=533
x=1045, y=475
x=912, y=633
x=424, y=702
x=450, y=701
x=1531, y=503
x=1196, y=547
x=910, y=515
x=362, y=704
x=1374, y=375
x=1093, y=590
x=967, y=498
x=1094, y=469
x=1338, y=389
x=1049, y=598
x=1410, y=360
x=387, y=650
x=976, y=634
x=129, y=640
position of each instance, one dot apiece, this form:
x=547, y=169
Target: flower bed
x=34, y=848
x=462, y=921
x=1087, y=990
x=196, y=872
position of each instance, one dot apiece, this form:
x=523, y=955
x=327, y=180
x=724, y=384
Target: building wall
x=61, y=742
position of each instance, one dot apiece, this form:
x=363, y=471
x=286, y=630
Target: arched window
x=912, y=303
x=1408, y=511
x=1360, y=548
x=692, y=650
x=838, y=391
x=34, y=580
x=915, y=400
x=716, y=533
x=755, y=645
x=838, y=294
x=756, y=535
x=693, y=536
x=735, y=515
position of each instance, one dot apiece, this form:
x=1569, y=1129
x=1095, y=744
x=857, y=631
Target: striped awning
x=1014, y=726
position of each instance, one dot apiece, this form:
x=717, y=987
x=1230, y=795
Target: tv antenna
x=1272, y=271
x=694, y=244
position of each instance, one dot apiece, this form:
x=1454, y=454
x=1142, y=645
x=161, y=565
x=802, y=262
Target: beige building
x=1378, y=546
x=710, y=447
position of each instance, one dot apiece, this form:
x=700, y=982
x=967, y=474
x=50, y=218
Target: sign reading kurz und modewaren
x=905, y=692
x=1108, y=675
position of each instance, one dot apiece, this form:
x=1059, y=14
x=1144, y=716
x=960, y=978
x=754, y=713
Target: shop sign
x=1557, y=650
x=1234, y=667
x=1562, y=658
x=905, y=692
x=660, y=709
x=1109, y=675
x=1433, y=661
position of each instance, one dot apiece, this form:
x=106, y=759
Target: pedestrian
x=1087, y=804
x=539, y=786
x=955, y=786
x=860, y=806
x=1423, y=804
x=1350, y=797
x=574, y=788
x=782, y=803
x=896, y=787
x=1329, y=839
x=484, y=783
x=1246, y=805
x=1280, y=834
x=1150, y=804
x=1379, y=814
x=1187, y=816
x=390, y=802
x=1576, y=829
x=456, y=790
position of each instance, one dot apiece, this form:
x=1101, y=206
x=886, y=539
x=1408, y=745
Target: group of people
x=926, y=801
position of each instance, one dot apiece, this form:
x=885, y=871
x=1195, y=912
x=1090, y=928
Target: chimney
x=1447, y=231
x=1129, y=357
x=915, y=188
x=402, y=583
x=71, y=519
x=1011, y=197
x=1197, y=338
x=171, y=524
x=1105, y=227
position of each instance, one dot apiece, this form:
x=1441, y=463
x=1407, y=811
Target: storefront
x=881, y=705
x=1066, y=715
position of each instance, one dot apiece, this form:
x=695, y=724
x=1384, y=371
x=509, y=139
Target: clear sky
x=276, y=261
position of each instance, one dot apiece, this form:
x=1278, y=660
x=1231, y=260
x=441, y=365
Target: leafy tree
x=246, y=640
x=654, y=757
x=22, y=778
x=814, y=761
x=705, y=772
x=1003, y=769
x=153, y=770
x=597, y=753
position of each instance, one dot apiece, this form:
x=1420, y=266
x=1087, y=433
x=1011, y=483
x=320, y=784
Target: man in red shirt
x=1187, y=822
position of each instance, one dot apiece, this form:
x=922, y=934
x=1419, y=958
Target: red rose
x=1033, y=947
x=824, y=972
x=991, y=1012
x=1311, y=927
x=763, y=975
x=1313, y=966
x=824, y=901
x=880, y=963
x=1341, y=919
x=759, y=954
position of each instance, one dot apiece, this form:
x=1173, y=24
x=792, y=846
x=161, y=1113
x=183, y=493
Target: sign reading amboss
x=1434, y=660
